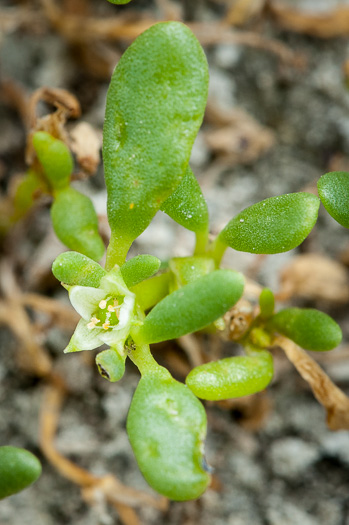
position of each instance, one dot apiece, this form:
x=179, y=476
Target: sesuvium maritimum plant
x=155, y=106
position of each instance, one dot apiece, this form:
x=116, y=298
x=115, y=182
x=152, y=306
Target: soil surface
x=278, y=118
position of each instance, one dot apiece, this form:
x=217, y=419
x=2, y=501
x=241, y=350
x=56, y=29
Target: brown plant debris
x=328, y=394
x=32, y=356
x=67, y=106
x=238, y=138
x=118, y=495
x=332, y=23
x=316, y=277
x=79, y=29
x=86, y=143
x=242, y=11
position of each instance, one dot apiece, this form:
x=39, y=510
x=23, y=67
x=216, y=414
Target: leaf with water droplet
x=73, y=268
x=274, y=225
x=187, y=205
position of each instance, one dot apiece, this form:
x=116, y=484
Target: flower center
x=107, y=314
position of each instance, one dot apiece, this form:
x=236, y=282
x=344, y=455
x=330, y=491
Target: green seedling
x=18, y=469
x=155, y=105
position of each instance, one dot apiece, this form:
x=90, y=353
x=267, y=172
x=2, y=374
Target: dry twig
x=329, y=395
x=117, y=494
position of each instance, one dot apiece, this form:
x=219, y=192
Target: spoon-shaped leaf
x=166, y=425
x=333, y=189
x=187, y=205
x=73, y=268
x=274, y=225
x=192, y=307
x=155, y=106
x=55, y=158
x=139, y=268
x=309, y=328
x=75, y=223
x=18, y=469
x=231, y=377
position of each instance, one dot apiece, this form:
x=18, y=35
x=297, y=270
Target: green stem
x=201, y=243
x=143, y=359
x=217, y=251
x=117, y=251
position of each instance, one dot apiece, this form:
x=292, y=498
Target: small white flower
x=106, y=313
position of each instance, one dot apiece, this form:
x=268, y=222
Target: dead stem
x=13, y=314
x=118, y=495
x=62, y=314
x=328, y=394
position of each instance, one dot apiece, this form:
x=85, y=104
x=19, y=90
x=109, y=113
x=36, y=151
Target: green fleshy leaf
x=333, y=189
x=155, y=106
x=309, y=328
x=274, y=225
x=232, y=377
x=151, y=291
x=166, y=425
x=139, y=268
x=18, y=469
x=187, y=205
x=75, y=223
x=266, y=303
x=55, y=158
x=188, y=269
x=24, y=196
x=192, y=307
x=111, y=365
x=73, y=268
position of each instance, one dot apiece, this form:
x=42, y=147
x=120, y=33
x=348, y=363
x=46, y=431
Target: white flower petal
x=85, y=300
x=126, y=311
x=85, y=338
x=114, y=337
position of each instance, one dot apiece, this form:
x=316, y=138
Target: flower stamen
x=93, y=322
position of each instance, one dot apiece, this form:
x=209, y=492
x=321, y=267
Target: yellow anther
x=103, y=304
x=106, y=326
x=92, y=323
x=111, y=308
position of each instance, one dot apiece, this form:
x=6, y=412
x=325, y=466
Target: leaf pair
x=274, y=225
x=73, y=216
